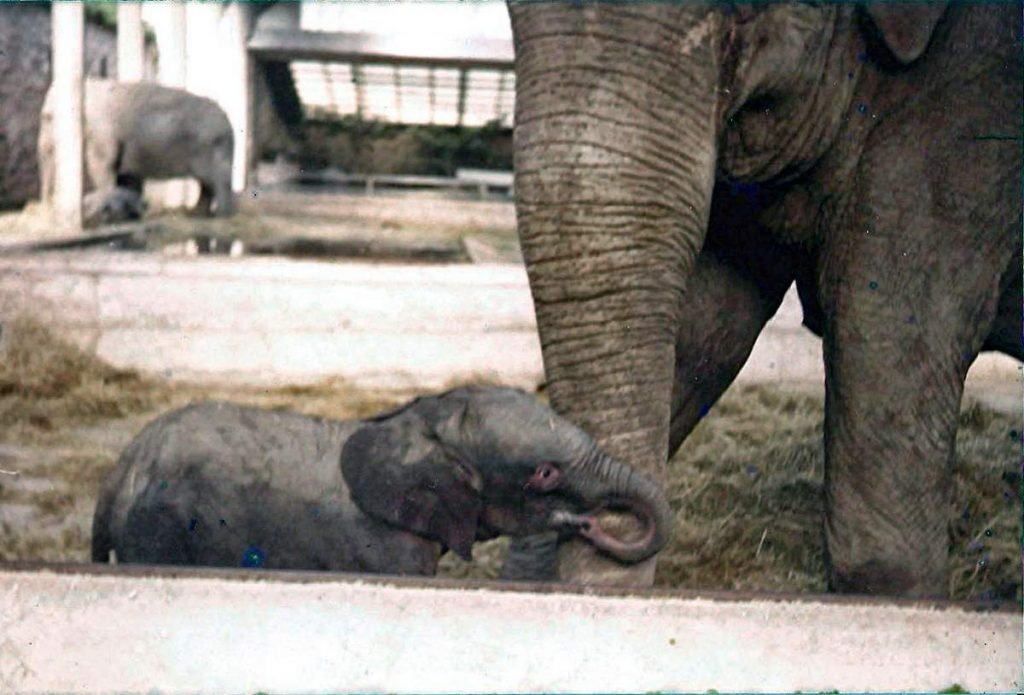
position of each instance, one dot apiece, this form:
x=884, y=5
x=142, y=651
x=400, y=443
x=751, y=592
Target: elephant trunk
x=604, y=483
x=616, y=124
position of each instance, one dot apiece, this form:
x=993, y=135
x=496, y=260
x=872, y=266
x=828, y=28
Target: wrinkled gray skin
x=679, y=166
x=225, y=485
x=140, y=130
x=113, y=205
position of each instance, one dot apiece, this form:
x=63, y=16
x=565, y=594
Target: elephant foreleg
x=894, y=381
x=909, y=297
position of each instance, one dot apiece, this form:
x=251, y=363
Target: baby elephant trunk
x=608, y=485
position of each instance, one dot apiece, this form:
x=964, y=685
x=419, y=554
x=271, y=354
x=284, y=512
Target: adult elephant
x=678, y=166
x=139, y=130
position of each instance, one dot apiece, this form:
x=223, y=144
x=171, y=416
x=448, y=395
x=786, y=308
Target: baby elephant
x=226, y=485
x=110, y=206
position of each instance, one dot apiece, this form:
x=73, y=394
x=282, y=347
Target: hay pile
x=746, y=485
x=46, y=383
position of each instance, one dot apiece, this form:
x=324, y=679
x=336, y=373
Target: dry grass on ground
x=746, y=485
x=747, y=489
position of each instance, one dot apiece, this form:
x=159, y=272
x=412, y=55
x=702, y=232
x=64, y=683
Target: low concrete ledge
x=273, y=320
x=93, y=630
x=388, y=325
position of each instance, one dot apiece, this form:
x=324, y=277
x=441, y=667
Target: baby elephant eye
x=545, y=477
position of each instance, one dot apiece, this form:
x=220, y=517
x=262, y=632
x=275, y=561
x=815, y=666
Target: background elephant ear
x=398, y=473
x=906, y=28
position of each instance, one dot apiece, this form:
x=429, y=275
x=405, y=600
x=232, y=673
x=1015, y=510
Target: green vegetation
x=102, y=13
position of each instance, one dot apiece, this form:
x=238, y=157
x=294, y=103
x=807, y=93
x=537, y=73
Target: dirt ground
x=746, y=486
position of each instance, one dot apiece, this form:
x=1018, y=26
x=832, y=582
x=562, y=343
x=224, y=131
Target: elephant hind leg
x=723, y=314
x=223, y=195
x=739, y=280
x=204, y=206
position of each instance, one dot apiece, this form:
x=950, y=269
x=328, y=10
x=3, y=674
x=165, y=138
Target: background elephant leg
x=224, y=198
x=724, y=313
x=218, y=178
x=204, y=206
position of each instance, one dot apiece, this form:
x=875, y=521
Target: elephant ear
x=906, y=28
x=399, y=472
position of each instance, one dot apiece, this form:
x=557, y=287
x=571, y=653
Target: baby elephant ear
x=906, y=28
x=397, y=474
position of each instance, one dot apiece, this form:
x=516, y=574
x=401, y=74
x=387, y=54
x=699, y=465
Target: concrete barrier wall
x=278, y=321
x=218, y=632
x=267, y=320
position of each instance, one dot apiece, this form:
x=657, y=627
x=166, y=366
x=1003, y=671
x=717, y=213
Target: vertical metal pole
x=130, y=42
x=463, y=80
x=68, y=29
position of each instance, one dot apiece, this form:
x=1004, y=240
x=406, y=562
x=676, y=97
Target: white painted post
x=236, y=95
x=172, y=45
x=68, y=30
x=130, y=42
x=204, y=72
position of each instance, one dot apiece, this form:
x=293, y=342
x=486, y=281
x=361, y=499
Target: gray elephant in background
x=680, y=165
x=225, y=485
x=140, y=130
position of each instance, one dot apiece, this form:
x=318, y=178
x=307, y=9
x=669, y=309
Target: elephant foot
x=887, y=579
